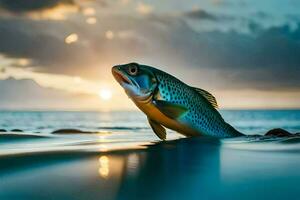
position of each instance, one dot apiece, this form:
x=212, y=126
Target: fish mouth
x=120, y=77
x=130, y=86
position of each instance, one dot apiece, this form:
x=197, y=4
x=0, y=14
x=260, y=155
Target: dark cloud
x=266, y=58
x=200, y=14
x=20, y=6
x=36, y=40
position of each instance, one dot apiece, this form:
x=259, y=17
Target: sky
x=245, y=52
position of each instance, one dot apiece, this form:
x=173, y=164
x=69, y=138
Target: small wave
x=263, y=143
x=122, y=128
x=6, y=137
x=72, y=131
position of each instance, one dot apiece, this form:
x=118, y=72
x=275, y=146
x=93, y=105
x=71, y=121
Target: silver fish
x=170, y=103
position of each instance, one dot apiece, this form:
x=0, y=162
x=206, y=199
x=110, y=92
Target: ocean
x=247, y=121
x=121, y=158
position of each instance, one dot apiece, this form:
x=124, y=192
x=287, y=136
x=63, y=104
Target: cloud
x=27, y=94
x=31, y=40
x=143, y=8
x=267, y=59
x=48, y=51
x=228, y=49
x=35, y=9
x=200, y=14
x=264, y=58
x=21, y=6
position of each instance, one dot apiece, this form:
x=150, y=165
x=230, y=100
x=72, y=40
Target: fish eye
x=133, y=70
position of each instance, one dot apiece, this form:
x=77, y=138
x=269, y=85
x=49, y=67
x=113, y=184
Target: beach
x=126, y=160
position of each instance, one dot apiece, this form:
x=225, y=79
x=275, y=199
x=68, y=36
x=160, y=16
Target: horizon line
x=136, y=110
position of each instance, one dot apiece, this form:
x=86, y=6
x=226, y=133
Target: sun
x=105, y=94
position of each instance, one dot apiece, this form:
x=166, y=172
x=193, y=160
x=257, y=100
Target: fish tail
x=232, y=132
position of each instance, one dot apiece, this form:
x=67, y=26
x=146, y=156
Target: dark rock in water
x=3, y=130
x=16, y=130
x=66, y=131
x=278, y=132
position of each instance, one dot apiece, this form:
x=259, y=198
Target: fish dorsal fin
x=158, y=129
x=171, y=110
x=208, y=96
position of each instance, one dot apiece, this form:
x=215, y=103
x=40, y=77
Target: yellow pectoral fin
x=158, y=129
x=171, y=110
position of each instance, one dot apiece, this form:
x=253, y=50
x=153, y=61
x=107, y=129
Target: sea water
x=123, y=159
x=246, y=121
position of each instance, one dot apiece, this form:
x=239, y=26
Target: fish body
x=169, y=102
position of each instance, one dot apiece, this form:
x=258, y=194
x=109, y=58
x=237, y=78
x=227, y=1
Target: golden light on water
x=91, y=20
x=105, y=94
x=71, y=38
x=103, y=160
x=133, y=163
x=104, y=166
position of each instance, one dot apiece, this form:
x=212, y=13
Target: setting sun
x=105, y=94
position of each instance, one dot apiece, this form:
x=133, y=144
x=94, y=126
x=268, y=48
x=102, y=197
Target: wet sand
x=78, y=167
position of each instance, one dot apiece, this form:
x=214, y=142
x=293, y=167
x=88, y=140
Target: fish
x=170, y=103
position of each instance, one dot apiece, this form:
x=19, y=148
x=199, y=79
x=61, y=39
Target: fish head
x=138, y=81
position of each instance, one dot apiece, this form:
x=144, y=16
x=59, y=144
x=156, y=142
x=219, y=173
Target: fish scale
x=201, y=115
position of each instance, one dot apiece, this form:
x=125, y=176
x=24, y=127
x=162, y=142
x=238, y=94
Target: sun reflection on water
x=133, y=162
x=104, y=166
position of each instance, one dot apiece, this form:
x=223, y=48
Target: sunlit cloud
x=125, y=34
x=71, y=38
x=77, y=79
x=104, y=95
x=58, y=13
x=143, y=8
x=257, y=99
x=72, y=84
x=39, y=10
x=125, y=2
x=91, y=20
x=109, y=34
x=23, y=62
x=89, y=11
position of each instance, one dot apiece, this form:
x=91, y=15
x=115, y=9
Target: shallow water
x=125, y=160
x=247, y=121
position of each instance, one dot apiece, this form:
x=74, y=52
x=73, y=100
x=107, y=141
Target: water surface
x=125, y=160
